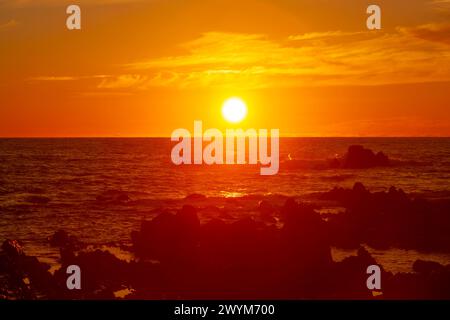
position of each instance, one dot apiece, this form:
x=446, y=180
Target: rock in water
x=358, y=157
x=12, y=248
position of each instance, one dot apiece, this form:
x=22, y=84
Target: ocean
x=100, y=189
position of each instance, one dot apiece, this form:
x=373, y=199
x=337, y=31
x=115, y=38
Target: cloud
x=10, y=24
x=328, y=58
x=68, y=78
x=54, y=78
x=49, y=3
x=440, y=4
x=249, y=61
x=441, y=7
x=123, y=81
x=410, y=126
x=107, y=82
x=431, y=32
x=324, y=35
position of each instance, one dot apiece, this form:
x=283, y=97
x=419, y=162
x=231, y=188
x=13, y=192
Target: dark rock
x=168, y=236
x=195, y=197
x=427, y=267
x=211, y=212
x=25, y=275
x=388, y=219
x=431, y=280
x=349, y=280
x=62, y=239
x=357, y=157
x=266, y=209
x=358, y=187
x=188, y=225
x=12, y=248
x=305, y=235
x=381, y=159
x=334, y=163
x=102, y=274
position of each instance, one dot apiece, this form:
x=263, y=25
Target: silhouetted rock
x=430, y=280
x=381, y=159
x=214, y=212
x=359, y=188
x=188, y=225
x=102, y=274
x=195, y=197
x=266, y=210
x=305, y=231
x=62, y=239
x=12, y=248
x=168, y=236
x=358, y=157
x=427, y=267
x=24, y=275
x=350, y=276
x=265, y=207
x=249, y=257
x=388, y=219
x=306, y=252
x=334, y=163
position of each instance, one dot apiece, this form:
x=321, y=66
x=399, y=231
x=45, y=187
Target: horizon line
x=168, y=137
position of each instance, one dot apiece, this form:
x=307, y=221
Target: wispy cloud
x=410, y=126
x=40, y=3
x=440, y=4
x=107, y=84
x=325, y=35
x=123, y=81
x=54, y=78
x=330, y=58
x=67, y=78
x=228, y=60
x=431, y=32
x=9, y=24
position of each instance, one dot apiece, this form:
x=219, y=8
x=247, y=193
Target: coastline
x=253, y=231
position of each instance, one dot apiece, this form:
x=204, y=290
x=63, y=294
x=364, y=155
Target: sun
x=234, y=110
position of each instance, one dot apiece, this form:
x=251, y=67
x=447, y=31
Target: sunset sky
x=145, y=68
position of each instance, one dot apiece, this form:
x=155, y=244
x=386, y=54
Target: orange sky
x=145, y=68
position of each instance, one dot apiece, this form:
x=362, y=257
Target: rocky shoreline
x=284, y=253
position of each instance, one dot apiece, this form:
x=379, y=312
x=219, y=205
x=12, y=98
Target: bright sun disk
x=234, y=110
